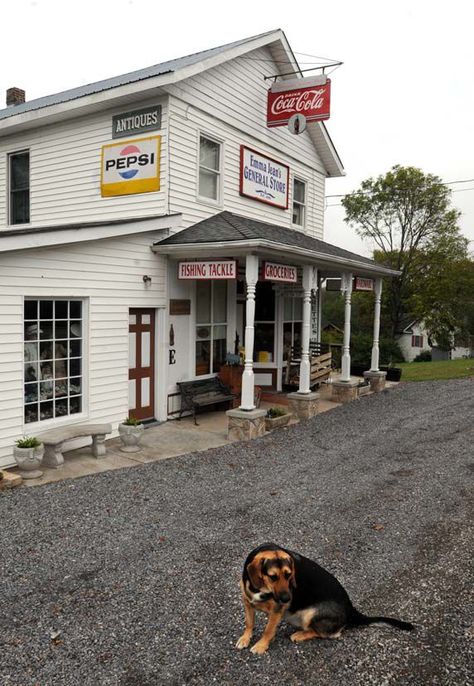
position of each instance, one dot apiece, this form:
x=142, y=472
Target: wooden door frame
x=138, y=329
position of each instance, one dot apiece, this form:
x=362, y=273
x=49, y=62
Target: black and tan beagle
x=286, y=585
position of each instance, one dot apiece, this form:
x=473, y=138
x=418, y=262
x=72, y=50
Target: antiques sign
x=312, y=101
x=263, y=178
x=130, y=167
x=279, y=272
x=363, y=284
x=217, y=269
x=138, y=121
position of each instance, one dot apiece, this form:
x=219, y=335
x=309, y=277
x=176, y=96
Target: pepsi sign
x=131, y=167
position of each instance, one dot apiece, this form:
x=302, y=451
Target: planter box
x=277, y=422
x=393, y=373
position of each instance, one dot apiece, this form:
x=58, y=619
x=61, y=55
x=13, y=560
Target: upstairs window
x=299, y=202
x=19, y=179
x=209, y=169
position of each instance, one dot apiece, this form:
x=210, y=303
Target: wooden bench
x=54, y=440
x=320, y=366
x=203, y=392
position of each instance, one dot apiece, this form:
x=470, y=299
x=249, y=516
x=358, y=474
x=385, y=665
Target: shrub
x=424, y=356
x=275, y=412
x=129, y=421
x=28, y=442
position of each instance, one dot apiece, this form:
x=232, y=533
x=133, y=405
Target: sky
x=404, y=94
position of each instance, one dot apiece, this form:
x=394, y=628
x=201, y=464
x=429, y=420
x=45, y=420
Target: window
x=209, y=168
x=292, y=324
x=19, y=179
x=417, y=341
x=299, y=200
x=53, y=356
x=211, y=326
x=264, y=346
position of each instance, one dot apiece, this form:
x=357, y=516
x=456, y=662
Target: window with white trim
x=299, y=202
x=211, y=326
x=53, y=359
x=416, y=341
x=19, y=187
x=209, y=168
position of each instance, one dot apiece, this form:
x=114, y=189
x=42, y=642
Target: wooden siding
x=107, y=274
x=65, y=172
x=229, y=103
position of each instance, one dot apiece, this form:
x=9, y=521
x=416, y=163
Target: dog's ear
x=293, y=572
x=254, y=570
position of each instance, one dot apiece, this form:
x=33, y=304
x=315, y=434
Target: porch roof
x=226, y=231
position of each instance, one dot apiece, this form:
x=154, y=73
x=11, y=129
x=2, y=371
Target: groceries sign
x=131, y=166
x=279, y=272
x=263, y=178
x=311, y=98
x=217, y=269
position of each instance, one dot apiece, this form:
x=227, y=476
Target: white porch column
x=374, y=367
x=251, y=278
x=309, y=282
x=346, y=355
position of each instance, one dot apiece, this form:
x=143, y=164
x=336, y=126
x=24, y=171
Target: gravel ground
x=138, y=568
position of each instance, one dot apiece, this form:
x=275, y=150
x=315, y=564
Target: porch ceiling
x=227, y=234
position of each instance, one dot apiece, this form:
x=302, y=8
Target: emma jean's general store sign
x=263, y=178
x=313, y=102
x=138, y=121
x=279, y=272
x=131, y=167
x=217, y=269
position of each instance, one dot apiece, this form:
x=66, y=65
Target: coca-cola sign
x=312, y=101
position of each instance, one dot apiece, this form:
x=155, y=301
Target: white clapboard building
x=152, y=223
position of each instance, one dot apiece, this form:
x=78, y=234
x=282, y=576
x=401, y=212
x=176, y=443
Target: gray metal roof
x=123, y=79
x=227, y=226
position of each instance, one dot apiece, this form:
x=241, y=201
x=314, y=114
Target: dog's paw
x=297, y=636
x=259, y=648
x=243, y=642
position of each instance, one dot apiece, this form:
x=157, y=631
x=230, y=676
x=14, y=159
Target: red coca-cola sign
x=313, y=102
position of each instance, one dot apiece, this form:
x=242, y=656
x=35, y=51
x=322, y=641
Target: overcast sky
x=404, y=95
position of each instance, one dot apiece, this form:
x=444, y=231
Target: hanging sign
x=363, y=284
x=217, y=269
x=130, y=167
x=263, y=178
x=138, y=121
x=279, y=272
x=312, y=101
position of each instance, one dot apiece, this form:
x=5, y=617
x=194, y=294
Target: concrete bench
x=54, y=440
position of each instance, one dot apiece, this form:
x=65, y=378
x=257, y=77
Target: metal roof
x=123, y=79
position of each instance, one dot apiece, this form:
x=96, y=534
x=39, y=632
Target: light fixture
x=146, y=279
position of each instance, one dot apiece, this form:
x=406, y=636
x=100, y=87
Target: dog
x=286, y=585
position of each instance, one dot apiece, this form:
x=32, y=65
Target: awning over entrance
x=213, y=237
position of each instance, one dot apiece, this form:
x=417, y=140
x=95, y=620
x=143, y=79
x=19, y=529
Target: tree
x=408, y=216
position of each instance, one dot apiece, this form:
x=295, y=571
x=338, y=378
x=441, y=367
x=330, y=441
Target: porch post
x=374, y=367
x=346, y=355
x=251, y=277
x=305, y=365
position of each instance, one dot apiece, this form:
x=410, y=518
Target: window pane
x=31, y=352
x=75, y=386
x=75, y=330
x=298, y=309
x=20, y=171
x=46, y=309
x=297, y=329
x=298, y=214
x=287, y=339
x=61, y=407
x=46, y=370
x=31, y=371
x=209, y=154
x=31, y=413
x=75, y=348
x=203, y=302
x=31, y=331
x=46, y=410
x=61, y=388
x=264, y=302
x=31, y=309
x=264, y=342
x=46, y=390
x=60, y=350
x=60, y=309
x=288, y=310
x=218, y=354
x=220, y=301
x=46, y=350
x=203, y=357
x=298, y=191
x=31, y=392
x=75, y=405
x=208, y=184
x=46, y=330
x=75, y=309
x=20, y=207
x=219, y=331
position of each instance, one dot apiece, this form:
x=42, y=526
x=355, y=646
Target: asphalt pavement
x=130, y=577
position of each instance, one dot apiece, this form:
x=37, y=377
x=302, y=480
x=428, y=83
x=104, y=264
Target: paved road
x=138, y=569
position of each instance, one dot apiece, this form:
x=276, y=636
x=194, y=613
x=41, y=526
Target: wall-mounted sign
x=312, y=101
x=138, y=121
x=263, y=178
x=362, y=284
x=279, y=272
x=217, y=269
x=180, y=307
x=130, y=167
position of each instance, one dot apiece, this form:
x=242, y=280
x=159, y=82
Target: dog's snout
x=284, y=597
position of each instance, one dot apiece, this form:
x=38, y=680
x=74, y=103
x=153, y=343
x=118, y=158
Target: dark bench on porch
x=202, y=392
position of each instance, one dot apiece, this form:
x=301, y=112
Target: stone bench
x=54, y=440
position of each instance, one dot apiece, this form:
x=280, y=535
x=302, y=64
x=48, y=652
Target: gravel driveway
x=138, y=568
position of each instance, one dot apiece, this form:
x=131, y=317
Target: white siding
x=229, y=103
x=65, y=172
x=108, y=274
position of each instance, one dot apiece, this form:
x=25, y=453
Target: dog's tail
x=359, y=619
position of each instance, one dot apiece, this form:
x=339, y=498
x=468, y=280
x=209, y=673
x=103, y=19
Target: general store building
x=111, y=192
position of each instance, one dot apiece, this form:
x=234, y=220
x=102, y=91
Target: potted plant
x=131, y=432
x=28, y=453
x=276, y=417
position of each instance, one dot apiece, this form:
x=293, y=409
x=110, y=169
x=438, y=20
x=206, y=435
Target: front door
x=141, y=373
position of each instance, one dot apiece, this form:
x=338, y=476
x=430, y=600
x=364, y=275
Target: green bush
x=129, y=421
x=275, y=412
x=361, y=350
x=424, y=356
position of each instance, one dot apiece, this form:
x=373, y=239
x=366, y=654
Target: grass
x=433, y=371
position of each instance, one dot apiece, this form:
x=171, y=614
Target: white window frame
x=30, y=428
x=10, y=155
x=202, y=198
x=303, y=205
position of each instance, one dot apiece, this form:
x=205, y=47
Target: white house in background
x=146, y=222
x=415, y=340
